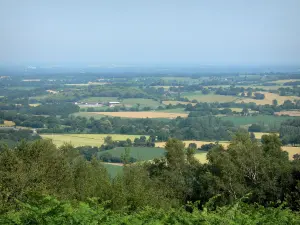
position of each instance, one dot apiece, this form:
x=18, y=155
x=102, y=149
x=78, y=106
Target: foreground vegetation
x=249, y=183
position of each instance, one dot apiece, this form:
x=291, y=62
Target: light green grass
x=177, y=110
x=142, y=101
x=139, y=153
x=88, y=115
x=208, y=98
x=100, y=99
x=113, y=170
x=21, y=88
x=201, y=156
x=85, y=139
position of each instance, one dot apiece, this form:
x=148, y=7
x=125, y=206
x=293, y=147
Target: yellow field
x=85, y=139
x=198, y=143
x=148, y=114
x=34, y=105
x=177, y=102
x=7, y=123
x=201, y=157
x=258, y=135
x=291, y=150
x=290, y=113
x=269, y=97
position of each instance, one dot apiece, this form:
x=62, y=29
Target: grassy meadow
x=139, y=153
x=209, y=97
x=146, y=114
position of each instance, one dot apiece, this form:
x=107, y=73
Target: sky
x=206, y=32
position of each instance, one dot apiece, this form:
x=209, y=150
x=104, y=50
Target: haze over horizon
x=201, y=32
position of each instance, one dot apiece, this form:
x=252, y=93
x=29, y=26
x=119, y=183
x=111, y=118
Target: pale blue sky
x=153, y=31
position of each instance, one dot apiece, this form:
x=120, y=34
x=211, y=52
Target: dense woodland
x=250, y=182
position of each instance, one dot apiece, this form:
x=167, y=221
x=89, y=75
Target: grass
x=113, y=170
x=208, y=98
x=142, y=101
x=39, y=97
x=201, y=156
x=266, y=119
x=85, y=139
x=177, y=110
x=146, y=114
x=100, y=99
x=34, y=105
x=139, y=153
x=88, y=115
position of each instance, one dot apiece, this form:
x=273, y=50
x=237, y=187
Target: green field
x=100, y=99
x=113, y=170
x=208, y=98
x=177, y=110
x=140, y=153
x=85, y=139
x=88, y=115
x=142, y=101
x=266, y=119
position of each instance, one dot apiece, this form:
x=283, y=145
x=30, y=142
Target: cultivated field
x=201, y=157
x=285, y=81
x=208, y=98
x=34, y=105
x=113, y=169
x=291, y=150
x=147, y=114
x=269, y=97
x=198, y=143
x=85, y=139
x=266, y=119
x=290, y=113
x=7, y=123
x=258, y=135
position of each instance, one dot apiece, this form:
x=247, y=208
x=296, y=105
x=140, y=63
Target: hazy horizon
x=217, y=33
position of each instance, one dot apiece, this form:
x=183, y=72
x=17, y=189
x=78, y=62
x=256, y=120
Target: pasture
x=85, y=139
x=265, y=119
x=144, y=102
x=201, y=156
x=177, y=102
x=113, y=169
x=146, y=114
x=208, y=98
x=258, y=135
x=285, y=81
x=139, y=153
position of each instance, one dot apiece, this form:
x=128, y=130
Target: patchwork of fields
x=208, y=98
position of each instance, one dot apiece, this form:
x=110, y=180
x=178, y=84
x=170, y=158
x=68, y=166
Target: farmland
x=289, y=113
x=208, y=98
x=143, y=102
x=269, y=97
x=147, y=114
x=100, y=99
x=7, y=123
x=265, y=119
x=198, y=143
x=85, y=139
x=177, y=102
x=139, y=153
